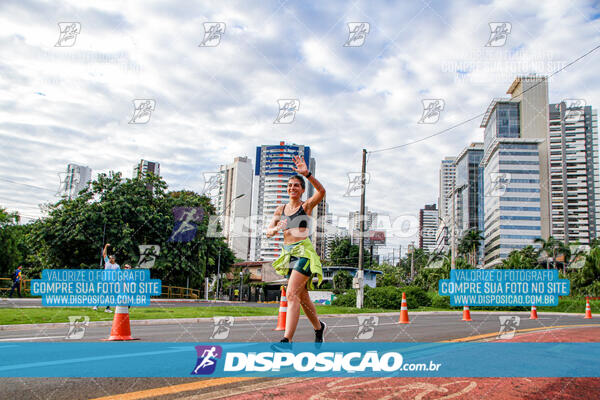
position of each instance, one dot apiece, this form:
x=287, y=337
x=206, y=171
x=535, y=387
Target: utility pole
x=103, y=239
x=361, y=239
x=452, y=236
x=399, y=253
x=412, y=260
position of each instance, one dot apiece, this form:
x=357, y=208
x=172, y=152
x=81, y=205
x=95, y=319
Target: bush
x=342, y=280
x=347, y=299
x=387, y=297
x=326, y=285
x=439, y=301
x=415, y=297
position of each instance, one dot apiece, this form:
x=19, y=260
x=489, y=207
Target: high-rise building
x=446, y=185
x=77, y=178
x=272, y=170
x=469, y=191
x=145, y=166
x=336, y=232
x=234, y=203
x=447, y=176
x=573, y=136
x=320, y=232
x=428, y=223
x=532, y=94
x=515, y=153
x=331, y=232
x=354, y=224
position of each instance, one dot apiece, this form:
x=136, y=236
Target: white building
x=354, y=224
x=573, y=136
x=446, y=185
x=77, y=178
x=145, y=166
x=272, y=170
x=428, y=223
x=234, y=203
x=514, y=141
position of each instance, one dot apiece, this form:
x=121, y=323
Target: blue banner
x=95, y=287
x=219, y=359
x=504, y=287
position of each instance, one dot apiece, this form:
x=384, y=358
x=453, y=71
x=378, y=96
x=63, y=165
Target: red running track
x=448, y=388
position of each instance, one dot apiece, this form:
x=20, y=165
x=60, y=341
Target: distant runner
x=16, y=282
x=109, y=263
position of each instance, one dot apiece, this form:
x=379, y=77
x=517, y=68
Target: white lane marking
x=31, y=338
x=84, y=359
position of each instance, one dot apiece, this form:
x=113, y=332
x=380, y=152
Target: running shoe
x=320, y=333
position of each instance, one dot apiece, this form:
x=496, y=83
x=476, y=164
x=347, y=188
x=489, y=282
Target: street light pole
x=361, y=239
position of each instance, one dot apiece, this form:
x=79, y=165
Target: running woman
x=298, y=259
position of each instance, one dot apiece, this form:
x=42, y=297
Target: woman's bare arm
x=276, y=224
x=302, y=169
x=317, y=197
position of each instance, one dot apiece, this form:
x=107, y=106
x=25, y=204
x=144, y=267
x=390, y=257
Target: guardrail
x=180, y=292
x=6, y=284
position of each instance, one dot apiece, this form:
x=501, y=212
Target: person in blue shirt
x=110, y=262
x=16, y=282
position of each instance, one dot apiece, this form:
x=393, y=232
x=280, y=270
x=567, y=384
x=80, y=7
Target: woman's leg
x=309, y=308
x=296, y=284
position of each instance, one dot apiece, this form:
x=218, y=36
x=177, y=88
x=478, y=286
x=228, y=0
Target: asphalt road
x=423, y=327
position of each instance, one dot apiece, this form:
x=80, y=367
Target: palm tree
x=514, y=260
x=470, y=244
x=549, y=247
x=565, y=250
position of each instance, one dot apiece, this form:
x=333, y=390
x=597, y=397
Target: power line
x=25, y=184
x=482, y=114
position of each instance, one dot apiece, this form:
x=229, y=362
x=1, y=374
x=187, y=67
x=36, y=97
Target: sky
x=71, y=100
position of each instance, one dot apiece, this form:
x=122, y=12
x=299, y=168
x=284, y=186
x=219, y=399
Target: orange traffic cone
x=120, y=327
x=533, y=313
x=588, y=310
x=466, y=314
x=282, y=311
x=403, y=311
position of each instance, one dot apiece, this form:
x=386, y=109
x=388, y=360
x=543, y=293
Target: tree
x=124, y=213
x=470, y=244
x=343, y=252
x=589, y=274
x=513, y=261
x=550, y=248
x=11, y=240
x=342, y=280
x=526, y=258
x=392, y=276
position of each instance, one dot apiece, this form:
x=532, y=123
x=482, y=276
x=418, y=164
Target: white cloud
x=62, y=105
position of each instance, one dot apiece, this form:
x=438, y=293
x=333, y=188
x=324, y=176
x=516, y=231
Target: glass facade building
x=512, y=218
x=469, y=191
